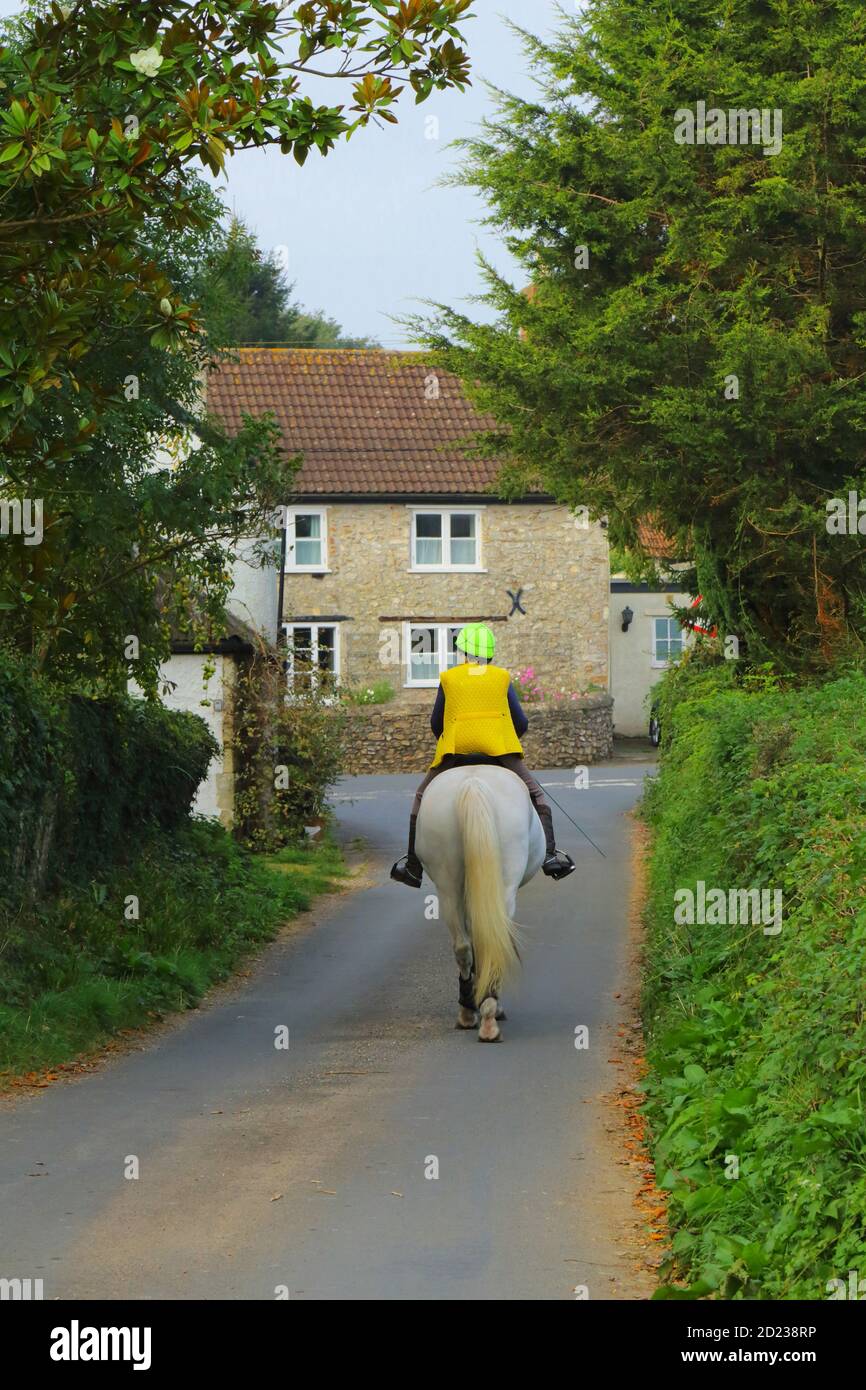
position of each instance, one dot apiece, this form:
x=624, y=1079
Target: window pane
x=308, y=538
x=308, y=553
x=424, y=654
x=302, y=658
x=668, y=639
x=463, y=543
x=428, y=538
x=453, y=657
x=327, y=648
x=327, y=658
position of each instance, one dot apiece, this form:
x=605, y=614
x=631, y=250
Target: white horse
x=480, y=839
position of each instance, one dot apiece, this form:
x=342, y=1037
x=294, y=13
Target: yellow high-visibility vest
x=477, y=717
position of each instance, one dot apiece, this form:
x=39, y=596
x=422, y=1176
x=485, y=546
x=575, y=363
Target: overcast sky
x=367, y=231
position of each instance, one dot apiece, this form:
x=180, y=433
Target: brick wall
x=397, y=738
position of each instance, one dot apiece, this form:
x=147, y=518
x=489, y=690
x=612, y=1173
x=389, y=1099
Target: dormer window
x=307, y=540
x=446, y=539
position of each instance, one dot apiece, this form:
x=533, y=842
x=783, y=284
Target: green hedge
x=757, y=1042
x=81, y=781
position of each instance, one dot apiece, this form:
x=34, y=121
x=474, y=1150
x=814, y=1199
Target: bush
x=82, y=780
x=290, y=751
x=757, y=1042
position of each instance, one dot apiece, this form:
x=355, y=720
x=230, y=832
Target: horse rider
x=477, y=717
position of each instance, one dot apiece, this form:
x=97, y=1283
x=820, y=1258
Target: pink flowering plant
x=530, y=690
x=527, y=686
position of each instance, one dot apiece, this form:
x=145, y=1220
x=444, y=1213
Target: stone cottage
x=393, y=531
x=394, y=539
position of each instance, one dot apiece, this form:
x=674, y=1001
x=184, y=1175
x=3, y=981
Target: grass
x=105, y=957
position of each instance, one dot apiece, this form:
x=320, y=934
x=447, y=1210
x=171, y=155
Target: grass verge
x=108, y=956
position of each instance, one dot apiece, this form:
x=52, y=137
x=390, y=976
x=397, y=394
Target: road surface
x=383, y=1155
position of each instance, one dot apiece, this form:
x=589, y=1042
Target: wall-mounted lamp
x=627, y=616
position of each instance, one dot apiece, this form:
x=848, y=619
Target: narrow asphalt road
x=383, y=1155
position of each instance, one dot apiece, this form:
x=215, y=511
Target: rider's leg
x=556, y=864
x=409, y=869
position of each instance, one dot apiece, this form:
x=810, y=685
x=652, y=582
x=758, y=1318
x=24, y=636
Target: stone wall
x=371, y=591
x=397, y=738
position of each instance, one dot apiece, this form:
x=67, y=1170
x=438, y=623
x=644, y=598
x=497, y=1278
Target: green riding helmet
x=476, y=640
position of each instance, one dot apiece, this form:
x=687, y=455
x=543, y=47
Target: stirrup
x=558, y=865
x=408, y=870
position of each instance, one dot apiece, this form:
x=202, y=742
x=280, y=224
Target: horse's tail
x=494, y=935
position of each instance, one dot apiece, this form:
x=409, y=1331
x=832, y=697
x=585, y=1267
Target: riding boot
x=556, y=864
x=545, y=815
x=409, y=869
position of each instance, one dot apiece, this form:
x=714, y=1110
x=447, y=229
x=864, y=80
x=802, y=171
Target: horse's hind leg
x=452, y=910
x=490, y=1017
x=467, y=1017
x=489, y=1029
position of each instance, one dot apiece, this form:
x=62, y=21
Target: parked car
x=655, y=728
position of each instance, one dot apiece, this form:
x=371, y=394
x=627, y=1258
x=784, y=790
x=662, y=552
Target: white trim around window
x=667, y=642
x=429, y=650
x=445, y=540
x=319, y=643
x=307, y=540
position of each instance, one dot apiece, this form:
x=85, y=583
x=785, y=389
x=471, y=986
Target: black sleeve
x=518, y=718
x=437, y=718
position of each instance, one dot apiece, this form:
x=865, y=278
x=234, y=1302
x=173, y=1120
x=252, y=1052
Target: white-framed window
x=307, y=540
x=667, y=644
x=446, y=538
x=313, y=656
x=431, y=648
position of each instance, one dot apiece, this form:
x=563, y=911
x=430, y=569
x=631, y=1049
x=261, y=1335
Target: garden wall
x=387, y=738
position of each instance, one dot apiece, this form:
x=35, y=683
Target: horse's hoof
x=466, y=1018
x=489, y=1030
x=500, y=1013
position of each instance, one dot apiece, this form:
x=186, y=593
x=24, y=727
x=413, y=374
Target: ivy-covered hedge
x=757, y=1040
x=82, y=780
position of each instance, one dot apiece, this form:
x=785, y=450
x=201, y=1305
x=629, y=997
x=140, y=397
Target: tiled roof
x=654, y=541
x=361, y=418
